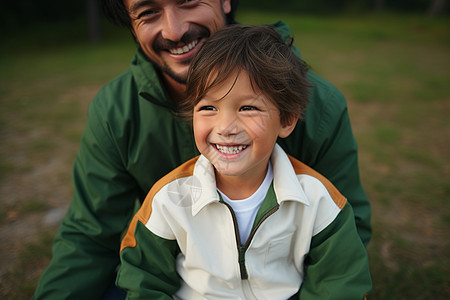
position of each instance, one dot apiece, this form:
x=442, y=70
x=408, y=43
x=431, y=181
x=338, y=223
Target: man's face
x=170, y=32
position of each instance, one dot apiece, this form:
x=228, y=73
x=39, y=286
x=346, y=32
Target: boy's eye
x=207, y=107
x=248, y=107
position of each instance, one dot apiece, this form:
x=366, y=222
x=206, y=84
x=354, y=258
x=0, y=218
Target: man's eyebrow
x=139, y=4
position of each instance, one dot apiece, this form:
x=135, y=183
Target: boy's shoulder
x=301, y=169
x=184, y=170
x=311, y=183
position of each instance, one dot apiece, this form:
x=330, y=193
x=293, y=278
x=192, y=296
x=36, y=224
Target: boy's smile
x=230, y=149
x=237, y=129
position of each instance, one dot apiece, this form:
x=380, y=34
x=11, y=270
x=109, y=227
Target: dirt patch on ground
x=36, y=186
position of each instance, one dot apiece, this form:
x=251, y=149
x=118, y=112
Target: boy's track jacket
x=133, y=138
x=184, y=241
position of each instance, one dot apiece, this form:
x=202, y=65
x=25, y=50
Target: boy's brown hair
x=272, y=67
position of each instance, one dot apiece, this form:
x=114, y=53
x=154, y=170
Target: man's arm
x=86, y=247
x=325, y=142
x=336, y=151
x=337, y=265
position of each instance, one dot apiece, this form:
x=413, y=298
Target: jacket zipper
x=243, y=248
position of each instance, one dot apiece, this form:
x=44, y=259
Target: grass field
x=393, y=69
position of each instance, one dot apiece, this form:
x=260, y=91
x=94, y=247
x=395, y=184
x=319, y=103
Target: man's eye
x=248, y=107
x=146, y=13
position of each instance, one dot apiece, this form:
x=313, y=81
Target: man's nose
x=173, y=26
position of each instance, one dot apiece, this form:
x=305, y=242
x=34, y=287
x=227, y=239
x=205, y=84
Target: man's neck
x=175, y=89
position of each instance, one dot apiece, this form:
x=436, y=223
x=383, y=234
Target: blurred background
x=391, y=58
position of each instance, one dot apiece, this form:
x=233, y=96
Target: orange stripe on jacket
x=301, y=168
x=145, y=211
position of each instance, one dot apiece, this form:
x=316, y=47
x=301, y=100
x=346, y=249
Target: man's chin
x=180, y=77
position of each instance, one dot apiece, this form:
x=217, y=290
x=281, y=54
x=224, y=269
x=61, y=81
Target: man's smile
x=184, y=49
x=187, y=42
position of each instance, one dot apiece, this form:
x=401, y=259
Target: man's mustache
x=191, y=35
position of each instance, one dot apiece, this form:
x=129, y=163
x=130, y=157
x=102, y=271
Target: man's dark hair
x=117, y=14
x=270, y=63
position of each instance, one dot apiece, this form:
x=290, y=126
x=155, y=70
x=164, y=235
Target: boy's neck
x=239, y=187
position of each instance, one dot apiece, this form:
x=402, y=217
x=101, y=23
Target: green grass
x=393, y=69
x=20, y=283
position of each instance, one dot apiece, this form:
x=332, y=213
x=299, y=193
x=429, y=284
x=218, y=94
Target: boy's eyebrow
x=139, y=4
x=252, y=96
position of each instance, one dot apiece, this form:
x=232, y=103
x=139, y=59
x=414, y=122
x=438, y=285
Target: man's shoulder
x=114, y=102
x=323, y=89
x=116, y=88
x=323, y=94
x=326, y=106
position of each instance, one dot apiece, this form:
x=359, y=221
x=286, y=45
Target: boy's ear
x=287, y=128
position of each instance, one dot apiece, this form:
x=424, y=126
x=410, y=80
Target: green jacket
x=133, y=138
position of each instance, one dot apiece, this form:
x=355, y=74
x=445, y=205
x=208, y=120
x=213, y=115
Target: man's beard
x=180, y=78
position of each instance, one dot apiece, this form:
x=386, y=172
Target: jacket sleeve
x=86, y=247
x=337, y=265
x=325, y=142
x=333, y=152
x=148, y=268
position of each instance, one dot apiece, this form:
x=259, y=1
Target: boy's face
x=237, y=130
x=170, y=32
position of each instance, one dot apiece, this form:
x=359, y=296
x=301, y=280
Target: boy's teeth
x=230, y=149
x=184, y=49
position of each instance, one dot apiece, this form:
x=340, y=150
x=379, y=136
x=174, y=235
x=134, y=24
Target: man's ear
x=287, y=128
x=133, y=33
x=226, y=6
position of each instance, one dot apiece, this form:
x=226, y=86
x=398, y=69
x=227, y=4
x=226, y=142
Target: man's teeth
x=230, y=149
x=184, y=49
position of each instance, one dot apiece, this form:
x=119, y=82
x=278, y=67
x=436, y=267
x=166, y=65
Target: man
x=134, y=137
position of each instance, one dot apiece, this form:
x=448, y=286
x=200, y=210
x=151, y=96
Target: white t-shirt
x=246, y=209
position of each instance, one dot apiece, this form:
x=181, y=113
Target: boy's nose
x=228, y=124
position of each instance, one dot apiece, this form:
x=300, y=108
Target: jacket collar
x=148, y=81
x=285, y=182
x=204, y=185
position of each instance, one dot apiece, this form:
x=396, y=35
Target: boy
x=244, y=220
